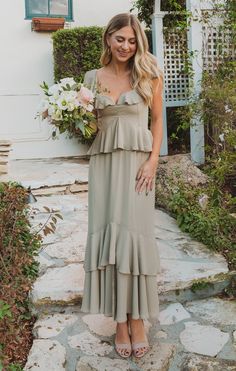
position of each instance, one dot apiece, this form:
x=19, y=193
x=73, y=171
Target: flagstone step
x=66, y=287
x=198, y=335
x=64, y=189
x=189, y=270
x=48, y=173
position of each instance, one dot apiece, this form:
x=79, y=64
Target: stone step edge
x=200, y=288
x=215, y=285
x=61, y=189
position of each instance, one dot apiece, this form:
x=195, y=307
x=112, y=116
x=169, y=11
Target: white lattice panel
x=177, y=82
x=216, y=47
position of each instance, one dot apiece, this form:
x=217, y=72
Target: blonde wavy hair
x=144, y=65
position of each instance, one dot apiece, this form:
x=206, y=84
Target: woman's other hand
x=145, y=178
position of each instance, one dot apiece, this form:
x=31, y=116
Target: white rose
x=57, y=115
x=71, y=106
x=67, y=81
x=55, y=89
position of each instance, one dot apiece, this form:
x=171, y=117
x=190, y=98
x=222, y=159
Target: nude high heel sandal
x=140, y=349
x=123, y=349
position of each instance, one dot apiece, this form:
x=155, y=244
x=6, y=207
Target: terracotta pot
x=47, y=24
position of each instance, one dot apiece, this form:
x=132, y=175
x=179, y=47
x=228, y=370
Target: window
x=49, y=8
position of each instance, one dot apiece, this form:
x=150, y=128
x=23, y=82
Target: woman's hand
x=145, y=178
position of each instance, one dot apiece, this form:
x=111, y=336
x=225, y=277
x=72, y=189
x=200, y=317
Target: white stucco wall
x=26, y=61
x=94, y=12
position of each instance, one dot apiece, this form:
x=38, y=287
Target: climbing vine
x=145, y=10
x=178, y=16
x=176, y=9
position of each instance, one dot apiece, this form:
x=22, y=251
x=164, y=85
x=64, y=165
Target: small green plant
x=200, y=285
x=4, y=310
x=14, y=367
x=205, y=213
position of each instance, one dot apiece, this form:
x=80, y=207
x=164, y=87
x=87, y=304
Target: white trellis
x=202, y=41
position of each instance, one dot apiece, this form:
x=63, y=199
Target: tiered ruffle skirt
x=121, y=259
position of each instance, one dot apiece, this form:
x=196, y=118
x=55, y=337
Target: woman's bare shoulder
x=90, y=73
x=89, y=77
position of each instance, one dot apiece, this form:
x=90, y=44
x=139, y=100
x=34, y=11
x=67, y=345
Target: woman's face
x=123, y=44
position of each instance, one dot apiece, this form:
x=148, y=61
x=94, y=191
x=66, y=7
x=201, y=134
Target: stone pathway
x=197, y=329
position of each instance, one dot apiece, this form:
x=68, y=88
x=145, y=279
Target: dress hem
x=151, y=318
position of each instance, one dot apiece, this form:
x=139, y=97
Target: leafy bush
x=218, y=106
x=18, y=246
x=205, y=213
x=76, y=51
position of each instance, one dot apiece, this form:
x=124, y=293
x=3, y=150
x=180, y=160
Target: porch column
x=158, y=51
x=195, y=45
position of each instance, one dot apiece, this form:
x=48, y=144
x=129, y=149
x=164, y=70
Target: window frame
x=68, y=18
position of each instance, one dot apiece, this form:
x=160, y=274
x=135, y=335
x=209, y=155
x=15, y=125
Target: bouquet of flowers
x=68, y=106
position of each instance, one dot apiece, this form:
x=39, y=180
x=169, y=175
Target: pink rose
x=85, y=96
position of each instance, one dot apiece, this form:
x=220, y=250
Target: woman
x=121, y=258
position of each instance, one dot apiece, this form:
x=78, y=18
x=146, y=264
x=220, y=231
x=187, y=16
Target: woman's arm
x=156, y=120
x=148, y=170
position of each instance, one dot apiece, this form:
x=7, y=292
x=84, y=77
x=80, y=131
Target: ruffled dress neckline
x=122, y=98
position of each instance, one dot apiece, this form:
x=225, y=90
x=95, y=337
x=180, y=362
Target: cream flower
x=67, y=81
x=57, y=115
x=54, y=89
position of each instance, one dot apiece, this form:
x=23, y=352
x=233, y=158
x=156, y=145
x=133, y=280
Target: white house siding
x=26, y=61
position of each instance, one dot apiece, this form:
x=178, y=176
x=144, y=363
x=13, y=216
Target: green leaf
x=80, y=125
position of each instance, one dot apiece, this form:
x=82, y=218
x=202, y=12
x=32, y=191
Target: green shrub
x=20, y=241
x=18, y=246
x=76, y=51
x=205, y=213
x=218, y=106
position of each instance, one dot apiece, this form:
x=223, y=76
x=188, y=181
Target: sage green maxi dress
x=121, y=257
